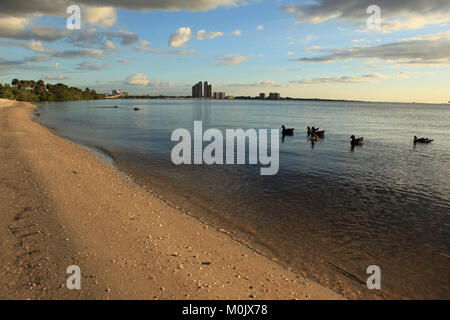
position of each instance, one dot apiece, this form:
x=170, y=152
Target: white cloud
x=19, y=28
x=281, y=70
x=59, y=76
x=127, y=60
x=284, y=70
x=85, y=52
x=90, y=66
x=202, y=34
x=260, y=27
x=138, y=79
x=181, y=36
x=37, y=46
x=230, y=59
x=404, y=74
x=39, y=58
x=342, y=79
x=103, y=17
x=144, y=43
x=183, y=51
x=8, y=65
x=261, y=83
x=10, y=26
x=268, y=83
x=236, y=32
x=314, y=48
x=109, y=44
x=124, y=36
x=144, y=47
x=414, y=21
x=308, y=38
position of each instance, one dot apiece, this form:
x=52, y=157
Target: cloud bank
x=395, y=14
x=430, y=49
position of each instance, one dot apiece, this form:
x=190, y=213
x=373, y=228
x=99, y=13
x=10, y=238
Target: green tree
x=30, y=90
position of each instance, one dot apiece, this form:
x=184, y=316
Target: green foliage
x=30, y=90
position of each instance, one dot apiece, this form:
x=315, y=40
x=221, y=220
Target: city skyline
x=301, y=49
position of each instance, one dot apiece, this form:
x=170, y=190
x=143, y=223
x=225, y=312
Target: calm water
x=330, y=211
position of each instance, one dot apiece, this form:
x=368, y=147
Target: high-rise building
x=197, y=90
x=208, y=90
x=274, y=96
x=202, y=90
x=205, y=88
x=220, y=95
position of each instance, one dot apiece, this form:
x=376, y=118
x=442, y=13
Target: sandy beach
x=61, y=206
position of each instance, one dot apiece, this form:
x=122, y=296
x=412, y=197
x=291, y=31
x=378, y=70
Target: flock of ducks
x=315, y=135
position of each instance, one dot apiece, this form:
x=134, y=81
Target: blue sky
x=306, y=49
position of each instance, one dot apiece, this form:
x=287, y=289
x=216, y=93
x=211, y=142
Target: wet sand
x=61, y=206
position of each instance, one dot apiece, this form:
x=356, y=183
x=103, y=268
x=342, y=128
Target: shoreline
x=62, y=206
x=239, y=98
x=284, y=99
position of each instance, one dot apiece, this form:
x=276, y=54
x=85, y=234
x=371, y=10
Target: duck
x=287, y=131
x=320, y=134
x=421, y=140
x=311, y=131
x=136, y=109
x=356, y=142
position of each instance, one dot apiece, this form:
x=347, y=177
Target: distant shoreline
x=258, y=99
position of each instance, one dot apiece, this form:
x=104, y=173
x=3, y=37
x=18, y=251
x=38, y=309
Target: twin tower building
x=205, y=90
x=202, y=90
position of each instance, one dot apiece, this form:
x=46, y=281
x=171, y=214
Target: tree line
x=30, y=90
